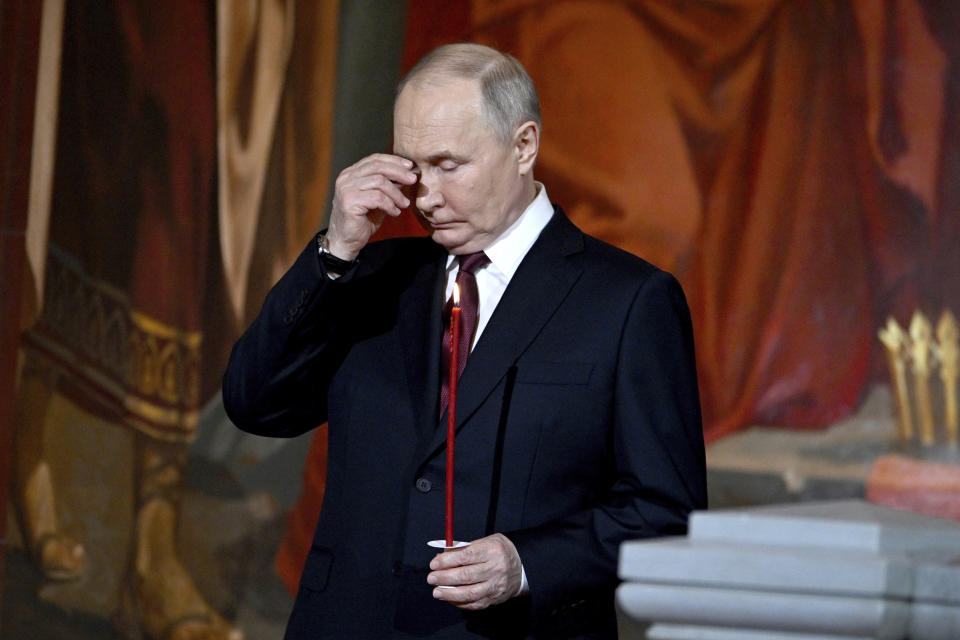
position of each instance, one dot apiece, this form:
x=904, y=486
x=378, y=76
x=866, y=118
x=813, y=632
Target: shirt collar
x=508, y=250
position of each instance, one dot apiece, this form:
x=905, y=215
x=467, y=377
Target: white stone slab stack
x=836, y=570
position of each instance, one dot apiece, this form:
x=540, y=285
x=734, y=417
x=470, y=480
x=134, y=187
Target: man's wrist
x=333, y=263
x=336, y=248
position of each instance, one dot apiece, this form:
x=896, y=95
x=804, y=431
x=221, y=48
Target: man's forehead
x=433, y=122
x=434, y=143
x=441, y=99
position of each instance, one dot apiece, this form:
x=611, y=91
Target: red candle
x=452, y=407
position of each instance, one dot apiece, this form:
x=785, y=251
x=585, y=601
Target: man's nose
x=429, y=196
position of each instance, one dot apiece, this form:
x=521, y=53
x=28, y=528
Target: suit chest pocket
x=316, y=571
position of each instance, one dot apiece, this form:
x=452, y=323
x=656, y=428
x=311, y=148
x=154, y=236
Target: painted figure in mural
x=56, y=554
x=577, y=412
x=119, y=333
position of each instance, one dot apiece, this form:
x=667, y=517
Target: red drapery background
x=794, y=163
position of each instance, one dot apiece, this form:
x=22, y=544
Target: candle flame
x=456, y=294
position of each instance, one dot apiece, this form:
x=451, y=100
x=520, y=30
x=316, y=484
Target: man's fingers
x=493, y=588
x=394, y=168
x=379, y=182
x=473, y=597
x=364, y=192
x=362, y=202
x=496, y=546
x=471, y=554
x=463, y=575
x=373, y=183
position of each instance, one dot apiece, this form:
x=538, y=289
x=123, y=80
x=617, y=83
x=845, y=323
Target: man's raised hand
x=364, y=193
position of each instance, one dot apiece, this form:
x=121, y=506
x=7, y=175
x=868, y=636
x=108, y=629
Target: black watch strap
x=332, y=263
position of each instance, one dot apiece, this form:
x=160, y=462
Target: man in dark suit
x=577, y=414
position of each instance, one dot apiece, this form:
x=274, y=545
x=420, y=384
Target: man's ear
x=526, y=145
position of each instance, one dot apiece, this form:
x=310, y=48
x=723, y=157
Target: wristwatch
x=332, y=263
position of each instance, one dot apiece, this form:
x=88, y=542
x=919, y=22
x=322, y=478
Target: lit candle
x=452, y=407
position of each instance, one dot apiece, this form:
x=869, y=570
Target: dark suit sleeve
x=279, y=370
x=657, y=452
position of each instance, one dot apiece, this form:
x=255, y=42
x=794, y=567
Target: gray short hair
x=509, y=97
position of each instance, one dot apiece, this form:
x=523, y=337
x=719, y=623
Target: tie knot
x=473, y=262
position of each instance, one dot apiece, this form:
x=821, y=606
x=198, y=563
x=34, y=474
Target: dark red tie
x=469, y=297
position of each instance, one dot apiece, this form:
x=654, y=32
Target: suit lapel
x=537, y=289
x=420, y=332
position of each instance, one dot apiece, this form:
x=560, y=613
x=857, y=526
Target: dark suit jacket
x=578, y=427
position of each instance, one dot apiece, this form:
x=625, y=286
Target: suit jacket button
x=424, y=485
